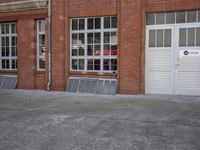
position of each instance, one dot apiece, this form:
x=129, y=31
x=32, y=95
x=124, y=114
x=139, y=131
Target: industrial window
x=160, y=38
x=94, y=44
x=189, y=16
x=8, y=46
x=189, y=37
x=40, y=45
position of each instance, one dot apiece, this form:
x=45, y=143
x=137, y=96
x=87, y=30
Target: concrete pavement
x=38, y=120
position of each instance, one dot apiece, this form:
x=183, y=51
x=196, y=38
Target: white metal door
x=187, y=62
x=172, y=59
x=159, y=59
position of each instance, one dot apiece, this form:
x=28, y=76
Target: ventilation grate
x=8, y=82
x=92, y=85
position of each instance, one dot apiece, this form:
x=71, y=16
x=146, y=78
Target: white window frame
x=38, y=45
x=10, y=57
x=101, y=57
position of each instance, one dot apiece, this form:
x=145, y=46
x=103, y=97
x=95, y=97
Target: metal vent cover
x=8, y=82
x=92, y=85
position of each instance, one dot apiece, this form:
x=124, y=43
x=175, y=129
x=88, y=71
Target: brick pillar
x=26, y=53
x=130, y=41
x=58, y=45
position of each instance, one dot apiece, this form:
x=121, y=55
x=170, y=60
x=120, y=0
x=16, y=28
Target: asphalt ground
x=38, y=120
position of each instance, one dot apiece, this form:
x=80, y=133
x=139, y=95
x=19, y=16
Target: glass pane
x=7, y=41
x=106, y=22
x=81, y=24
x=114, y=22
x=42, y=40
x=7, y=51
x=199, y=15
x=74, y=24
x=97, y=23
x=3, y=41
x=74, y=38
x=97, y=64
x=97, y=38
x=113, y=37
x=90, y=64
x=113, y=64
x=150, y=19
x=14, y=41
x=13, y=64
x=180, y=17
x=160, y=18
x=113, y=49
x=90, y=50
x=81, y=64
x=14, y=51
x=90, y=38
x=13, y=28
x=81, y=51
x=74, y=64
x=191, y=37
x=198, y=37
x=170, y=18
x=75, y=51
x=182, y=37
x=3, y=64
x=81, y=38
x=2, y=28
x=107, y=37
x=90, y=23
x=41, y=63
x=41, y=25
x=7, y=28
x=3, y=51
x=7, y=64
x=192, y=16
x=168, y=37
x=152, y=38
x=159, y=38
x=106, y=65
x=106, y=50
x=97, y=50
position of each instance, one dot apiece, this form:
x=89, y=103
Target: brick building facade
x=131, y=31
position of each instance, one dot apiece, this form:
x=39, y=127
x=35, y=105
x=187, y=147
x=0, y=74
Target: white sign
x=189, y=53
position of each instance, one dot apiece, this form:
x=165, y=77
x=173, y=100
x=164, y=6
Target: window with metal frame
x=94, y=44
x=40, y=45
x=8, y=46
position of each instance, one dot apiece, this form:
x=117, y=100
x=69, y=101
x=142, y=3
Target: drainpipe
x=49, y=46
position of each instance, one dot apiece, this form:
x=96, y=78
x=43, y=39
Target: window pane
x=13, y=28
x=97, y=38
x=191, y=37
x=107, y=37
x=97, y=64
x=13, y=64
x=13, y=41
x=180, y=17
x=90, y=64
x=192, y=16
x=113, y=49
x=114, y=22
x=106, y=22
x=74, y=24
x=81, y=64
x=97, y=49
x=97, y=23
x=41, y=63
x=90, y=38
x=106, y=50
x=7, y=41
x=106, y=65
x=199, y=15
x=159, y=38
x=152, y=38
x=160, y=18
x=90, y=50
x=7, y=51
x=14, y=51
x=74, y=64
x=113, y=64
x=170, y=18
x=74, y=38
x=90, y=23
x=182, y=37
x=42, y=40
x=7, y=64
x=81, y=24
x=168, y=37
x=3, y=51
x=150, y=19
x=41, y=25
x=81, y=51
x=113, y=37
x=198, y=37
x=74, y=51
x=81, y=38
x=3, y=41
x=3, y=62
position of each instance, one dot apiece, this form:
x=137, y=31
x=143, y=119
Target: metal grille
x=92, y=85
x=8, y=82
